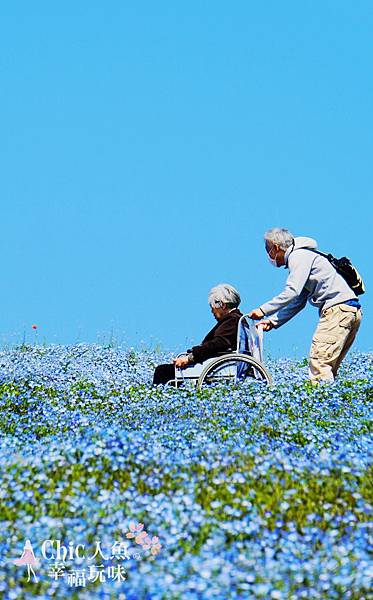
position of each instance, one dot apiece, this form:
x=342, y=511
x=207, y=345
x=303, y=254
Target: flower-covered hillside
x=229, y=492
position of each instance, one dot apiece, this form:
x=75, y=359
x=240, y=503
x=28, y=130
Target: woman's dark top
x=221, y=338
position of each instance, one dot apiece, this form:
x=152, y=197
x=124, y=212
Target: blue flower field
x=244, y=491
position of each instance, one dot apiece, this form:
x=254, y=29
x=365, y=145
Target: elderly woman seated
x=223, y=300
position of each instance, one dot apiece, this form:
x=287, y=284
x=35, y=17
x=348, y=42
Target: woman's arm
x=224, y=339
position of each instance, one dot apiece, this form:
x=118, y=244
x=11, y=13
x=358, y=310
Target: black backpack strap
x=328, y=256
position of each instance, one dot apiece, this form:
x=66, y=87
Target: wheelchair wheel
x=233, y=368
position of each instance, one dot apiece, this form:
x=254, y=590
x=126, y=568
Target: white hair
x=224, y=293
x=282, y=237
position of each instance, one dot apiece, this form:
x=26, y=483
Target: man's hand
x=267, y=325
x=181, y=362
x=256, y=314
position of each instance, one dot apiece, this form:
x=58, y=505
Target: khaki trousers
x=332, y=339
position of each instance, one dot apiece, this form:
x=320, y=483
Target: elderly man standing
x=313, y=278
x=224, y=301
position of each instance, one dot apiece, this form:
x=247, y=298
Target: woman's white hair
x=282, y=237
x=224, y=293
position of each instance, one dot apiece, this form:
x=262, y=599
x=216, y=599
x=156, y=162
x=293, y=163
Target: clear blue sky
x=146, y=147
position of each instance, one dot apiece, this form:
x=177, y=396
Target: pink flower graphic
x=28, y=558
x=146, y=542
x=153, y=544
x=143, y=539
x=137, y=532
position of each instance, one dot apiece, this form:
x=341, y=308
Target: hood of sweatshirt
x=305, y=242
x=300, y=242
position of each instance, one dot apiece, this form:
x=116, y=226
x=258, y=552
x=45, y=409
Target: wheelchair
x=233, y=366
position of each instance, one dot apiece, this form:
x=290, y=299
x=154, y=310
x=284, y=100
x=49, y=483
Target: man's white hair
x=224, y=293
x=282, y=237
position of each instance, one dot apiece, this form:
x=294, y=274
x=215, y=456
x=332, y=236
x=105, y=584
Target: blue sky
x=146, y=147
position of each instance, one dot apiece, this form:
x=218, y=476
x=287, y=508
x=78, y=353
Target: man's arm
x=300, y=263
x=288, y=312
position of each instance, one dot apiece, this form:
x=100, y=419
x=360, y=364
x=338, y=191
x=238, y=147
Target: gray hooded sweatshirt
x=311, y=278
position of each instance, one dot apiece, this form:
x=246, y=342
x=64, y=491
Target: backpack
x=346, y=269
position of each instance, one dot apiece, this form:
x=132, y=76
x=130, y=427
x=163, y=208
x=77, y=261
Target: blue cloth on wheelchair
x=243, y=346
